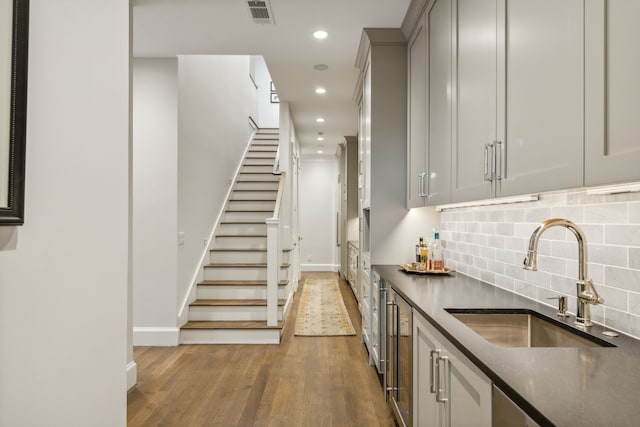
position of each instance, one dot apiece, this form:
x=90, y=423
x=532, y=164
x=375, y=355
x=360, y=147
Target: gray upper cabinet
x=612, y=98
x=417, y=116
x=439, y=102
x=543, y=123
x=519, y=93
x=504, y=99
x=430, y=107
x=477, y=99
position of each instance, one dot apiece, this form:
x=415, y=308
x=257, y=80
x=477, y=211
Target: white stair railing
x=274, y=256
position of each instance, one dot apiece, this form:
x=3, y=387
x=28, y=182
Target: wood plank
x=304, y=381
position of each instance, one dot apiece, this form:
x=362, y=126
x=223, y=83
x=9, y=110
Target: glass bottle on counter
x=437, y=253
x=419, y=247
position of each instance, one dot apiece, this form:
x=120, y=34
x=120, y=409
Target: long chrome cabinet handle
x=432, y=371
x=440, y=392
x=498, y=152
x=421, y=186
x=489, y=166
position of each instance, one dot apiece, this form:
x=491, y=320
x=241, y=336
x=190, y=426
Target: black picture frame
x=13, y=212
x=274, y=98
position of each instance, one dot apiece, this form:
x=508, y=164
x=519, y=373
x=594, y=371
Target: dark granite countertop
x=596, y=387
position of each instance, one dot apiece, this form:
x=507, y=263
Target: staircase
x=231, y=304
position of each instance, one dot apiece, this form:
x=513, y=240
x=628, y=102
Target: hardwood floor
x=305, y=381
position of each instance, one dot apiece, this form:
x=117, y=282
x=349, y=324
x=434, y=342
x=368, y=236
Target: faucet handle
x=562, y=305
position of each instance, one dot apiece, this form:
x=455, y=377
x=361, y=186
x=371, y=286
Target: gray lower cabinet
x=612, y=98
x=448, y=390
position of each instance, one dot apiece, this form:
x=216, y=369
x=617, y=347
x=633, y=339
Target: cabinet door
x=417, y=138
x=426, y=411
x=542, y=128
x=476, y=92
x=449, y=390
x=440, y=48
x=365, y=140
x=612, y=140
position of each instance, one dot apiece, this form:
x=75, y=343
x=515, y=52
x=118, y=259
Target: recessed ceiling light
x=320, y=120
x=321, y=90
x=320, y=34
x=321, y=67
x=319, y=151
x=319, y=138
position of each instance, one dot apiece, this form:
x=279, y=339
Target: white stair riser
x=230, y=336
x=246, y=216
x=239, y=274
x=250, y=205
x=239, y=257
x=261, y=154
x=259, y=160
x=260, y=185
x=242, y=257
x=257, y=168
x=266, y=145
x=270, y=177
x=255, y=195
x=230, y=313
x=232, y=228
x=236, y=292
x=240, y=242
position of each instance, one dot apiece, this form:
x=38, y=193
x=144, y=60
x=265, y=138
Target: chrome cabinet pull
x=497, y=172
x=421, y=186
x=440, y=393
x=432, y=371
x=489, y=169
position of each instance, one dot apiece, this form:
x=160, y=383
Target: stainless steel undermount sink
x=523, y=328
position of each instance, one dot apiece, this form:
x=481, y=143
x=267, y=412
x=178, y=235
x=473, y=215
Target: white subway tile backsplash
x=608, y=255
x=634, y=258
x=614, y=213
x=537, y=214
x=634, y=213
x=627, y=235
x=634, y=303
x=552, y=265
x=622, y=278
x=490, y=242
x=614, y=297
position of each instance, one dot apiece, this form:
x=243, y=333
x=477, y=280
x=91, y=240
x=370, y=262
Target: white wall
x=268, y=113
x=155, y=199
x=63, y=275
x=318, y=180
x=214, y=94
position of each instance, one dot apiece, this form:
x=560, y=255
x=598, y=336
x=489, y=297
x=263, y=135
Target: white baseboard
x=156, y=337
x=319, y=267
x=132, y=374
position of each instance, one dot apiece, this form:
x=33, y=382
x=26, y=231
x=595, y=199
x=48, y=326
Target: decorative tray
x=410, y=269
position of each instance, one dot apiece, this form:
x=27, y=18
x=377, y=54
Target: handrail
x=276, y=163
x=276, y=209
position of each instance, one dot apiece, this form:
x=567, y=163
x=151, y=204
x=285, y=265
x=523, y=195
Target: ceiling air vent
x=261, y=12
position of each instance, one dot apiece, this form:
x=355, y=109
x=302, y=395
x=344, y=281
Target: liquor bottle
x=419, y=249
x=437, y=256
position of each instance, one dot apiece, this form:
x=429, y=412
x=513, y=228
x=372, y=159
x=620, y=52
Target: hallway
x=305, y=381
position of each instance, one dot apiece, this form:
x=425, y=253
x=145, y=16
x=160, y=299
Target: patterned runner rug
x=321, y=311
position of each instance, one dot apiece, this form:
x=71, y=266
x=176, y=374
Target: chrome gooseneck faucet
x=585, y=290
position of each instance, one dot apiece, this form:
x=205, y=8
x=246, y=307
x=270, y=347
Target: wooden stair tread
x=241, y=235
x=237, y=324
x=259, y=190
x=239, y=283
x=240, y=265
x=244, y=250
x=233, y=302
x=242, y=222
x=252, y=200
x=238, y=250
x=249, y=210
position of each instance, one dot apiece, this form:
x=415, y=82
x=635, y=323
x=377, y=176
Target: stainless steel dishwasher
x=398, y=377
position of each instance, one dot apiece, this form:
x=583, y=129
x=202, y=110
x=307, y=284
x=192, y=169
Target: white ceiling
x=165, y=28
